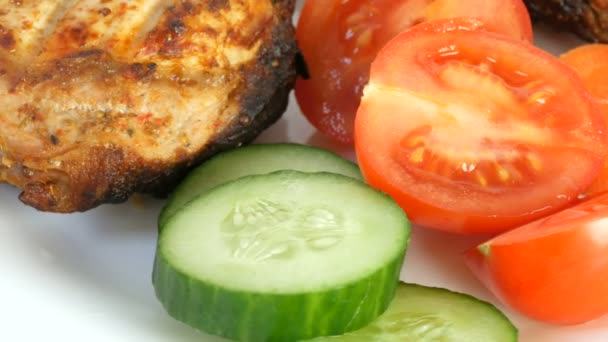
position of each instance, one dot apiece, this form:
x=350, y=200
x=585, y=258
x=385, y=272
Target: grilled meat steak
x=101, y=99
x=587, y=18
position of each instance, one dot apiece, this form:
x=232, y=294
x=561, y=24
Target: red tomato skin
x=424, y=212
x=560, y=277
x=427, y=215
x=590, y=61
x=339, y=70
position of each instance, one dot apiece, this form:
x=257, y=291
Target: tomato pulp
x=474, y=132
x=339, y=40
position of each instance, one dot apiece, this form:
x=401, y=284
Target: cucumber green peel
x=284, y=256
x=426, y=314
x=251, y=160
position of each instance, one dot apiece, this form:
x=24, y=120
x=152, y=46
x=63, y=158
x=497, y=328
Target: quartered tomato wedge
x=474, y=132
x=340, y=38
x=554, y=269
x=591, y=63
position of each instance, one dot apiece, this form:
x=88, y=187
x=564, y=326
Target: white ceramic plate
x=87, y=277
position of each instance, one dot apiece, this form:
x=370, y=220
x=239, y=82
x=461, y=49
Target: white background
x=87, y=277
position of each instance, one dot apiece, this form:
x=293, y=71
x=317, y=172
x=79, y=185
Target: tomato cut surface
x=591, y=64
x=554, y=269
x=339, y=40
x=473, y=132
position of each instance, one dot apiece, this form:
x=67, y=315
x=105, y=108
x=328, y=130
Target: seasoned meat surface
x=587, y=18
x=103, y=98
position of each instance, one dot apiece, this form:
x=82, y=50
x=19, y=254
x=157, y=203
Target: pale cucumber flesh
x=425, y=314
x=252, y=160
x=284, y=256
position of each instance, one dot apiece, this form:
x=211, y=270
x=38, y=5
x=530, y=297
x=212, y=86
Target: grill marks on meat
x=103, y=98
x=587, y=18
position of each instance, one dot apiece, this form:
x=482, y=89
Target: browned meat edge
x=587, y=18
x=263, y=101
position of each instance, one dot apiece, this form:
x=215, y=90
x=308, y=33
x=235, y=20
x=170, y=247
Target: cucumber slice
x=253, y=160
x=422, y=314
x=284, y=256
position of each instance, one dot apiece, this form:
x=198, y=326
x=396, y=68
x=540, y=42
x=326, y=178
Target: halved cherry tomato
x=591, y=63
x=554, y=269
x=340, y=38
x=474, y=132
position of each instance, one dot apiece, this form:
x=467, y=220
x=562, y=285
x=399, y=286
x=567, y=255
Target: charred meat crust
x=110, y=174
x=587, y=18
x=273, y=80
x=121, y=174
